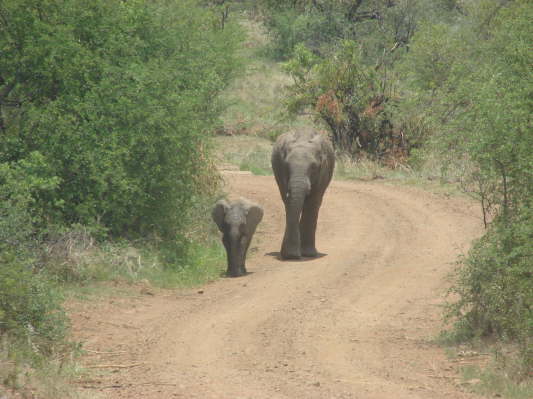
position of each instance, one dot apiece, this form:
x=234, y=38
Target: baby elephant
x=237, y=221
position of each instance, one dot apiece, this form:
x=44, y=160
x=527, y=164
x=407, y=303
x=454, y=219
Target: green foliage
x=346, y=95
x=105, y=110
x=343, y=58
x=20, y=184
x=495, y=284
x=116, y=98
x=461, y=85
x=32, y=323
x=292, y=28
x=376, y=25
x=204, y=262
x=474, y=82
x=29, y=308
x=498, y=119
x=433, y=55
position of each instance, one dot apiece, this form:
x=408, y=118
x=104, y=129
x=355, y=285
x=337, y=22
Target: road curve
x=357, y=322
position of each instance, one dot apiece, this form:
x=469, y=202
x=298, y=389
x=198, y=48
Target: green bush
x=497, y=281
x=291, y=28
x=105, y=110
x=20, y=183
x=320, y=25
x=473, y=82
x=30, y=312
x=29, y=308
x=495, y=286
x=345, y=95
x=116, y=98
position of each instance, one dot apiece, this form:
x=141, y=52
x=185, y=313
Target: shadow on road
x=302, y=259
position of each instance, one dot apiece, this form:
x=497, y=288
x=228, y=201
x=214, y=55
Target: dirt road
x=358, y=322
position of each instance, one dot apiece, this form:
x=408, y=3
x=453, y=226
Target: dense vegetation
x=343, y=56
x=399, y=81
x=486, y=102
x=104, y=114
x=105, y=110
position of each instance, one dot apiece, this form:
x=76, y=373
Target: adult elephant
x=303, y=163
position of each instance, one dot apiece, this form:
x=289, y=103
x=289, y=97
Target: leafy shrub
x=475, y=77
x=29, y=307
x=495, y=285
x=104, y=114
x=116, y=98
x=292, y=28
x=347, y=96
x=32, y=323
x=20, y=183
x=343, y=57
x=320, y=25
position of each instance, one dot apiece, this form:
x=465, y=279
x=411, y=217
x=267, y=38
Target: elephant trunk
x=236, y=255
x=299, y=188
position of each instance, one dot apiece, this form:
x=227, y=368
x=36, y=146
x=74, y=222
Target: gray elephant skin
x=303, y=163
x=237, y=220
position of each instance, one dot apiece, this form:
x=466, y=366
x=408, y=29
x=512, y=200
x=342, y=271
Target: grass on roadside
x=25, y=373
x=488, y=367
x=497, y=379
x=246, y=153
x=87, y=271
x=50, y=379
x=37, y=356
x=426, y=175
x=204, y=263
x=130, y=266
x=252, y=153
x=492, y=381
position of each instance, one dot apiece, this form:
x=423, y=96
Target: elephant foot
x=290, y=250
x=236, y=273
x=309, y=252
x=290, y=255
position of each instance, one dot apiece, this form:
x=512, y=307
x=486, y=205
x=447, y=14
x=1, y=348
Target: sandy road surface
x=357, y=322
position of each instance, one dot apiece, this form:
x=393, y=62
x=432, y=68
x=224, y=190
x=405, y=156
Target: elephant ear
x=219, y=213
x=253, y=217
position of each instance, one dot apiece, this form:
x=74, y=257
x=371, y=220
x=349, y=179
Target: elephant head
x=303, y=164
x=237, y=221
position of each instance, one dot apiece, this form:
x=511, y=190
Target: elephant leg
x=308, y=224
x=290, y=247
x=227, y=247
x=243, y=269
